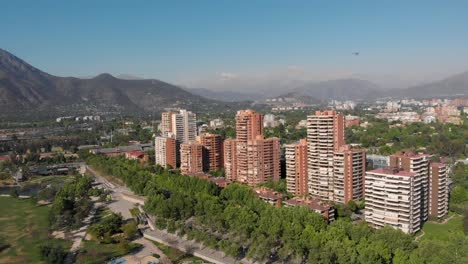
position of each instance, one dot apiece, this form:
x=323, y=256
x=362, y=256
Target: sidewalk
x=191, y=247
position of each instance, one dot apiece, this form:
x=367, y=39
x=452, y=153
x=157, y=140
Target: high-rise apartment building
x=166, y=123
x=230, y=159
x=182, y=125
x=349, y=168
x=212, y=151
x=393, y=197
x=165, y=151
x=263, y=161
x=419, y=164
x=325, y=135
x=296, y=168
x=191, y=158
x=250, y=158
x=438, y=190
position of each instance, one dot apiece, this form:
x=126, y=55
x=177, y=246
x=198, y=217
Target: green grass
x=24, y=227
x=53, y=179
x=134, y=211
x=437, y=231
x=177, y=256
x=93, y=252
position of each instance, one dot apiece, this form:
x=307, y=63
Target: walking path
x=163, y=237
x=78, y=236
x=191, y=247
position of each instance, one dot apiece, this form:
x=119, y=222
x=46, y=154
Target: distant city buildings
x=217, y=123
x=352, y=121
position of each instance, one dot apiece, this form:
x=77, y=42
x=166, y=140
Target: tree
x=52, y=253
x=130, y=229
x=14, y=193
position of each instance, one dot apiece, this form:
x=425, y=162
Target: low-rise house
x=269, y=196
x=326, y=210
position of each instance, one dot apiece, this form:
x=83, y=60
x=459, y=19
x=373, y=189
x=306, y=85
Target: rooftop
x=310, y=203
x=268, y=194
x=393, y=171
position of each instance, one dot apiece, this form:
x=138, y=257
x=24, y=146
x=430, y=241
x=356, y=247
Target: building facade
x=230, y=159
x=438, y=190
x=296, y=168
x=165, y=152
x=419, y=164
x=263, y=161
x=212, y=151
x=349, y=169
x=166, y=123
x=250, y=158
x=325, y=135
x=393, y=197
x=181, y=124
x=191, y=158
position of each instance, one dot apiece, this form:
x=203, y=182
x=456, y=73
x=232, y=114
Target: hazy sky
x=209, y=42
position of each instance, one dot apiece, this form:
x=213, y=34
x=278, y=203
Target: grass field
x=93, y=252
x=23, y=227
x=433, y=230
x=53, y=179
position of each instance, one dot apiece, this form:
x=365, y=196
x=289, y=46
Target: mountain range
x=26, y=88
x=341, y=89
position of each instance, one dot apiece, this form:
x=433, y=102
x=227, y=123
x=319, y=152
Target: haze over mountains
x=26, y=88
x=343, y=89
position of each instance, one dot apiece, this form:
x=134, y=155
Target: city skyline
x=215, y=45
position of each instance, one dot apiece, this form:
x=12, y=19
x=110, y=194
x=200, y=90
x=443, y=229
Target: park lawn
x=53, y=179
x=24, y=227
x=92, y=252
x=177, y=256
x=437, y=231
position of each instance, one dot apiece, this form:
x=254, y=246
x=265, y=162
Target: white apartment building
x=182, y=125
x=393, y=197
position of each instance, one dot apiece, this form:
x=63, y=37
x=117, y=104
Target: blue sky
x=196, y=42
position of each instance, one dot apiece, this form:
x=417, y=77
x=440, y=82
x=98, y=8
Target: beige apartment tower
x=181, y=124
x=393, y=197
x=296, y=168
x=419, y=164
x=325, y=135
